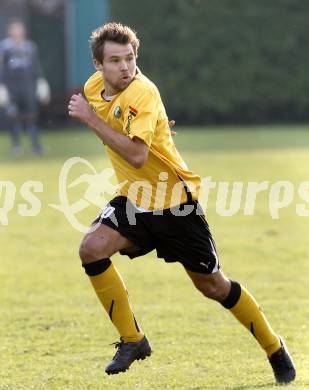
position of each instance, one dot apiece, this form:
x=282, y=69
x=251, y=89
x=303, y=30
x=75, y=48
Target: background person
x=22, y=85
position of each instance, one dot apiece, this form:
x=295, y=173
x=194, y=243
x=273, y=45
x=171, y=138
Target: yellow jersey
x=138, y=111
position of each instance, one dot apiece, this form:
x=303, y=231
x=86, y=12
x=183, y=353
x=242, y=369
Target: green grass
x=54, y=334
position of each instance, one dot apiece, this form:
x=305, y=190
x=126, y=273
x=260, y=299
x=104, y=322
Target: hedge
x=224, y=61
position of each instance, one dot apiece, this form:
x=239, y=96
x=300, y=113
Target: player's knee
x=211, y=290
x=91, y=250
x=85, y=252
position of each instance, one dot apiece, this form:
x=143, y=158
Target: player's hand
x=4, y=96
x=80, y=109
x=172, y=123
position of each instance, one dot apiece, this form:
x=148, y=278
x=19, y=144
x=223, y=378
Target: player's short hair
x=112, y=32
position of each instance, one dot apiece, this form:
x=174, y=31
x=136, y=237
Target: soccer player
x=21, y=85
x=157, y=206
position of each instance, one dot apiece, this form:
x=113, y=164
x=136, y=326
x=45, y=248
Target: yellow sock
x=248, y=312
x=113, y=295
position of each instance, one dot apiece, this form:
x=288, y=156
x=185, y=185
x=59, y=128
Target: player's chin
x=124, y=83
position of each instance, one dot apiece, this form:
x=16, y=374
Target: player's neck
x=106, y=97
x=109, y=89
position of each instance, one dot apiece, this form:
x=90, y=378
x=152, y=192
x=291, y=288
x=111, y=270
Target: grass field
x=54, y=334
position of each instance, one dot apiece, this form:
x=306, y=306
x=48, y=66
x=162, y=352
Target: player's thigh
x=12, y=110
x=28, y=117
x=28, y=109
x=102, y=242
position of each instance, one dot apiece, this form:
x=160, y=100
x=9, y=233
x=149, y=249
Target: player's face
x=119, y=67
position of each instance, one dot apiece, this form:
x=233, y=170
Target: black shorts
x=178, y=234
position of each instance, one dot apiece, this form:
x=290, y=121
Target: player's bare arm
x=134, y=151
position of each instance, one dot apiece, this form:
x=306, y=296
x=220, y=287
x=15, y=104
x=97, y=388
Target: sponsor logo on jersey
x=128, y=127
x=132, y=114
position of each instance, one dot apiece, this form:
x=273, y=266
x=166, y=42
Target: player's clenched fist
x=80, y=109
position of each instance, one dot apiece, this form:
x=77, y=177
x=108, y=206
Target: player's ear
x=97, y=64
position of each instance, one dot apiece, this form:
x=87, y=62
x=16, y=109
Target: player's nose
x=124, y=65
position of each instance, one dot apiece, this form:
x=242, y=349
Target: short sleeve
x=141, y=114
